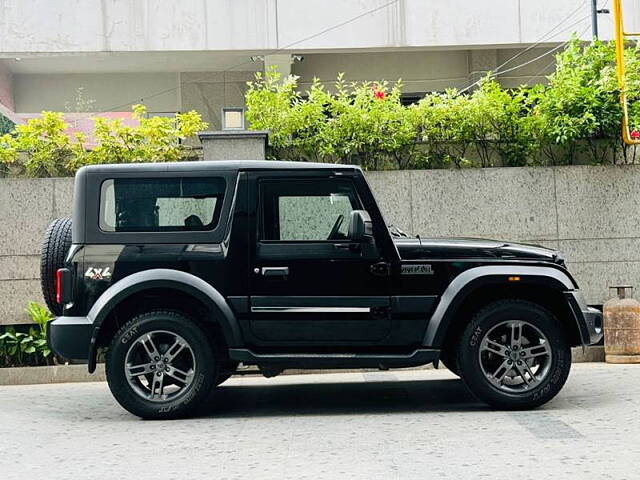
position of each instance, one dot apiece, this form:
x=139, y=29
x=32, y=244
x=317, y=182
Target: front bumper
x=70, y=337
x=588, y=319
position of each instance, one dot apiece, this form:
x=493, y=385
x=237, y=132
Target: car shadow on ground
x=340, y=398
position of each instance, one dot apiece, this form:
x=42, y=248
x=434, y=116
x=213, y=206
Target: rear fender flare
x=465, y=283
x=163, y=278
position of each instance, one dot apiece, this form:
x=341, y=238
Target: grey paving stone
x=401, y=425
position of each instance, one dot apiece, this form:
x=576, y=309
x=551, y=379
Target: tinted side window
x=307, y=210
x=160, y=205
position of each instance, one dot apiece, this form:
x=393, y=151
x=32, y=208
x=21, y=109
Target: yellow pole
x=619, y=39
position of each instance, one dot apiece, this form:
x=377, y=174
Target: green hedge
x=577, y=114
x=42, y=148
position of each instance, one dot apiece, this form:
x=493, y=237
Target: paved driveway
x=418, y=424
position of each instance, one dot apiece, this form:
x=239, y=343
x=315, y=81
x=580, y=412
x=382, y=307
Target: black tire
x=55, y=246
x=204, y=374
x=449, y=359
x=494, y=315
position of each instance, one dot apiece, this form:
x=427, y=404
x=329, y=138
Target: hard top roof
x=213, y=165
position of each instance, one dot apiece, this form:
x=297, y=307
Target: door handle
x=274, y=271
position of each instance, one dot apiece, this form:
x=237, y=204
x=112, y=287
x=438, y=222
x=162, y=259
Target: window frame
x=261, y=204
x=87, y=200
x=215, y=218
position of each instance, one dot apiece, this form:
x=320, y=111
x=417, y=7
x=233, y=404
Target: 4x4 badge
x=420, y=269
x=98, y=273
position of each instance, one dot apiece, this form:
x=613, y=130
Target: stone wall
x=587, y=212
x=27, y=206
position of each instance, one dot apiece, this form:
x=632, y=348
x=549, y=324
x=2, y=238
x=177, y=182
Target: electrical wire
x=546, y=36
x=273, y=52
x=497, y=71
x=539, y=72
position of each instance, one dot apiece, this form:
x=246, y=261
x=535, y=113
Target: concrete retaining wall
x=27, y=206
x=587, y=212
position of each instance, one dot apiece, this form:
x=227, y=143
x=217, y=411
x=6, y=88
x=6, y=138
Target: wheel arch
x=186, y=286
x=480, y=286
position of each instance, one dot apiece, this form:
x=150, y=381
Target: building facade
x=101, y=56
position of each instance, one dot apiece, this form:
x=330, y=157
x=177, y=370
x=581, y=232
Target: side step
x=416, y=358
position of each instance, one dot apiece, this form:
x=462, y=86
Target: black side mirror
x=360, y=227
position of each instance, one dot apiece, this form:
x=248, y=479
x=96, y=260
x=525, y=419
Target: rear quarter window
x=161, y=204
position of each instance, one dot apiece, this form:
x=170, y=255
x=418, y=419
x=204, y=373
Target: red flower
x=379, y=94
x=635, y=134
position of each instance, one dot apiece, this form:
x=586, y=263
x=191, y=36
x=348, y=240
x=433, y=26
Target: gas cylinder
x=622, y=327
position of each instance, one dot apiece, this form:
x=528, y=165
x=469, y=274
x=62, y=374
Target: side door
x=309, y=282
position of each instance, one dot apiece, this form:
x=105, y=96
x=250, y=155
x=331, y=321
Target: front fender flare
x=467, y=281
x=163, y=278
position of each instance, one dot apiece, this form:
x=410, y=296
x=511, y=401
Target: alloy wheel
x=515, y=356
x=159, y=366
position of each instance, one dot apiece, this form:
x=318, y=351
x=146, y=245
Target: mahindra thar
x=177, y=273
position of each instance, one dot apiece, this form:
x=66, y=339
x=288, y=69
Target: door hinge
x=381, y=269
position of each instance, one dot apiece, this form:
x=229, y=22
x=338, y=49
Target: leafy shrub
x=445, y=127
x=580, y=101
x=154, y=139
x=27, y=348
x=502, y=122
x=42, y=148
x=365, y=122
x=580, y=109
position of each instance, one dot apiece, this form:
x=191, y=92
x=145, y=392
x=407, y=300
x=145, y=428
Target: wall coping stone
x=232, y=134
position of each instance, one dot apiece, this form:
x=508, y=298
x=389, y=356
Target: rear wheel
x=514, y=355
x=55, y=246
x=161, y=365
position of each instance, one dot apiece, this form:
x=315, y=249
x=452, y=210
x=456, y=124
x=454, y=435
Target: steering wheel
x=336, y=226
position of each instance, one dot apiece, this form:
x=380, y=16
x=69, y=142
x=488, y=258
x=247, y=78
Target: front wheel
x=513, y=355
x=161, y=365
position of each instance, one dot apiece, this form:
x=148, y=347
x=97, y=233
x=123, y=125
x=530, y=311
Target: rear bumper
x=70, y=337
x=588, y=319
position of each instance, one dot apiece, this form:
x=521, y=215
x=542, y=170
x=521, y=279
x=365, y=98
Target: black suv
x=180, y=272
